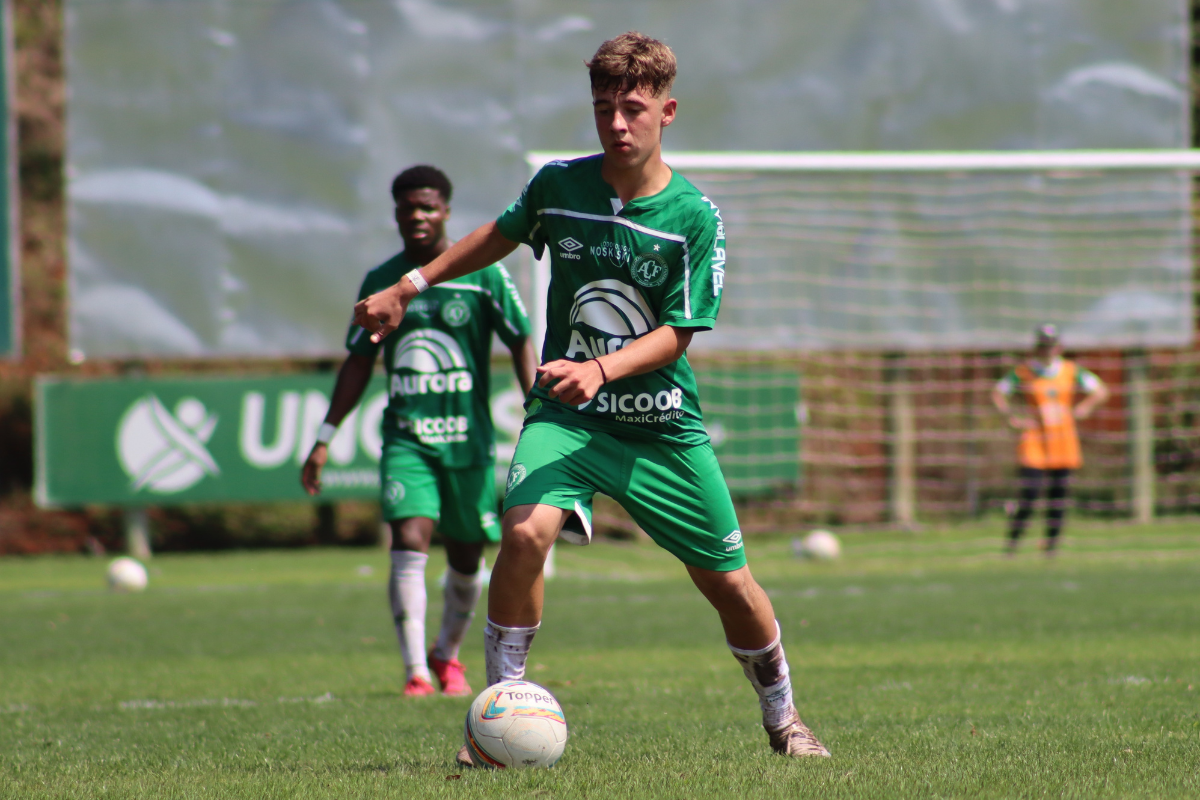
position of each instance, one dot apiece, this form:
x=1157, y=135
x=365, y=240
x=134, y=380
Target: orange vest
x=1053, y=444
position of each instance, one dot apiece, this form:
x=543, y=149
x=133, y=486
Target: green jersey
x=437, y=361
x=618, y=272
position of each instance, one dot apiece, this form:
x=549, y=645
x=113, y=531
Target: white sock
x=460, y=596
x=406, y=590
x=505, y=651
x=767, y=671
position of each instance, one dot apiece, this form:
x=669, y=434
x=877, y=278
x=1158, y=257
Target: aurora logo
x=164, y=452
x=436, y=358
x=614, y=308
x=428, y=351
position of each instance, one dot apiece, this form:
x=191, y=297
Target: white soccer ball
x=822, y=546
x=515, y=724
x=127, y=574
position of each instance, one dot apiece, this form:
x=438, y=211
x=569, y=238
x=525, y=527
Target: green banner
x=163, y=441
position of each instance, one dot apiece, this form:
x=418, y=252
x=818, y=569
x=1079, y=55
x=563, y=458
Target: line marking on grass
x=224, y=702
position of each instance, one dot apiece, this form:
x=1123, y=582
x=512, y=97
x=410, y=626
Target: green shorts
x=676, y=493
x=461, y=501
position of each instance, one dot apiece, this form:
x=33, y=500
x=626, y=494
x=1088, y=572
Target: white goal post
x=929, y=250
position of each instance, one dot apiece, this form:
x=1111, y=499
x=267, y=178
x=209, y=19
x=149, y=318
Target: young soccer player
x=1049, y=447
x=637, y=267
x=439, y=444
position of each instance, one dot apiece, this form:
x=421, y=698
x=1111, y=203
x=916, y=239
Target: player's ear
x=668, y=115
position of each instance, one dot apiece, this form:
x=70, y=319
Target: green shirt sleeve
x=520, y=222
x=1009, y=383
x=1086, y=380
x=695, y=294
x=508, y=316
x=358, y=341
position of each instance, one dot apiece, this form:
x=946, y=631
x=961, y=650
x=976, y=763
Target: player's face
x=630, y=124
x=421, y=215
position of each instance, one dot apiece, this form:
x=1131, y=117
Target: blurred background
x=200, y=187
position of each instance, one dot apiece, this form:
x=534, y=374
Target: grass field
x=929, y=665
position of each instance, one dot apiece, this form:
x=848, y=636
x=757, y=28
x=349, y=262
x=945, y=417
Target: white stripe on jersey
x=671, y=237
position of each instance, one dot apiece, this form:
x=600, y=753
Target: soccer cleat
x=463, y=757
x=452, y=675
x=796, y=740
x=418, y=687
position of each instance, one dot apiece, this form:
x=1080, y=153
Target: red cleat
x=452, y=675
x=418, y=687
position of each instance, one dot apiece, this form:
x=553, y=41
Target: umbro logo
x=568, y=247
x=735, y=541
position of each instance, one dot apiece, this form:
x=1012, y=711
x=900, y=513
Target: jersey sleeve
x=695, y=294
x=520, y=221
x=1008, y=384
x=358, y=341
x=1087, y=381
x=508, y=316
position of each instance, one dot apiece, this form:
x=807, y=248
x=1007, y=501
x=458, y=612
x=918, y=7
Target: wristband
x=603, y=374
x=417, y=280
x=325, y=433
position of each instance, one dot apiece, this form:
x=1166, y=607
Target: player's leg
x=679, y=497
x=1029, y=485
x=551, y=478
x=410, y=505
x=468, y=522
x=756, y=640
x=1057, y=490
x=517, y=588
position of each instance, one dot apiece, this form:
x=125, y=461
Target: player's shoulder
x=388, y=272
x=690, y=204
x=569, y=170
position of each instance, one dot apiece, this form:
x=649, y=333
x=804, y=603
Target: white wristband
x=419, y=282
x=325, y=433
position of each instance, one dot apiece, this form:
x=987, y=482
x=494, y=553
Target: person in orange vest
x=1049, y=447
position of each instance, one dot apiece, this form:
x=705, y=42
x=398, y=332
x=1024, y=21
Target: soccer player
x=438, y=440
x=637, y=267
x=1049, y=447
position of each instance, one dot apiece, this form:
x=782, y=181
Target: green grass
x=929, y=665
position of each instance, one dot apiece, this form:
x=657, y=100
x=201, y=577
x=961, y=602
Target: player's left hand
x=574, y=382
x=381, y=313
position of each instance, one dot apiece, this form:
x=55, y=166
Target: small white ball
x=127, y=574
x=822, y=546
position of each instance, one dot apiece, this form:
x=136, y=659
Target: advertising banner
x=165, y=441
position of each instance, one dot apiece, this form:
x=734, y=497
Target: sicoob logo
x=166, y=452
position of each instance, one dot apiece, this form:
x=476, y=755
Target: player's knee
x=524, y=539
x=735, y=591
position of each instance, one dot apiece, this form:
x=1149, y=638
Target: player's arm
x=579, y=381
x=380, y=314
x=1096, y=393
x=525, y=362
x=352, y=380
x=1000, y=401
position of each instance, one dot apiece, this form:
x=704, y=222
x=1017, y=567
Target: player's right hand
x=310, y=476
x=381, y=313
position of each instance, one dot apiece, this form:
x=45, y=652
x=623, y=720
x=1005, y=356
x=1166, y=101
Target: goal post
x=856, y=268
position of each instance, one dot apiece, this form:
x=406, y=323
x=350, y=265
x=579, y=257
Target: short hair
x=421, y=176
x=632, y=61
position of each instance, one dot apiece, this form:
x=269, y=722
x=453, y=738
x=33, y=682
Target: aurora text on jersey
x=617, y=273
x=437, y=361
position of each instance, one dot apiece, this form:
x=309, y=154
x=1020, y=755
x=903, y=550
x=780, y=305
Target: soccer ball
x=515, y=724
x=126, y=574
x=822, y=546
